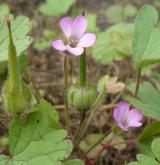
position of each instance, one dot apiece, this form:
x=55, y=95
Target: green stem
x=83, y=82
x=65, y=93
x=138, y=82
x=83, y=75
x=89, y=119
x=99, y=141
x=13, y=63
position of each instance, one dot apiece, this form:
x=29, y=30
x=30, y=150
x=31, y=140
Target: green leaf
x=92, y=27
x=119, y=13
x=156, y=148
x=135, y=163
x=146, y=137
x=146, y=160
x=4, y=10
x=56, y=8
x=51, y=114
x=32, y=141
x=114, y=13
x=129, y=10
x=20, y=28
x=148, y=101
x=146, y=41
x=108, y=47
x=74, y=162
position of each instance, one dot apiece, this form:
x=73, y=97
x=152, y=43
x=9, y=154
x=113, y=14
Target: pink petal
x=121, y=114
x=87, y=40
x=59, y=45
x=136, y=115
x=79, y=27
x=117, y=114
x=66, y=25
x=75, y=51
x=135, y=124
x=123, y=106
x=134, y=118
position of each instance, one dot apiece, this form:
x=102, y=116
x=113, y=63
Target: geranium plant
x=35, y=135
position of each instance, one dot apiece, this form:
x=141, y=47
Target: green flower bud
x=81, y=97
x=16, y=94
x=16, y=100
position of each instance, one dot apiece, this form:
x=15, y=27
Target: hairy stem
x=65, y=93
x=89, y=119
x=83, y=75
x=107, y=146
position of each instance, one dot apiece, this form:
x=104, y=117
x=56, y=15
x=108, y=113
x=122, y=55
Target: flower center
x=73, y=42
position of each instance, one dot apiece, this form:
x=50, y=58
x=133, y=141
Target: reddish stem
x=107, y=146
x=91, y=162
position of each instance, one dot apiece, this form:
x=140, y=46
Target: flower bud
x=16, y=94
x=16, y=100
x=81, y=97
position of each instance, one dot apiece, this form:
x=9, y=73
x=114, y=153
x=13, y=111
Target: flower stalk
x=83, y=74
x=66, y=93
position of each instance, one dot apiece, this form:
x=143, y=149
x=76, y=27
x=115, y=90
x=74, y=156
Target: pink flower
x=76, y=38
x=126, y=118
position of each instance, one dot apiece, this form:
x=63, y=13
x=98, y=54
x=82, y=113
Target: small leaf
x=4, y=10
x=146, y=41
x=148, y=101
x=146, y=160
x=92, y=27
x=129, y=10
x=107, y=47
x=74, y=162
x=114, y=13
x=147, y=136
x=119, y=13
x=135, y=163
x=32, y=141
x=56, y=8
x=156, y=148
x=20, y=28
x=51, y=114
